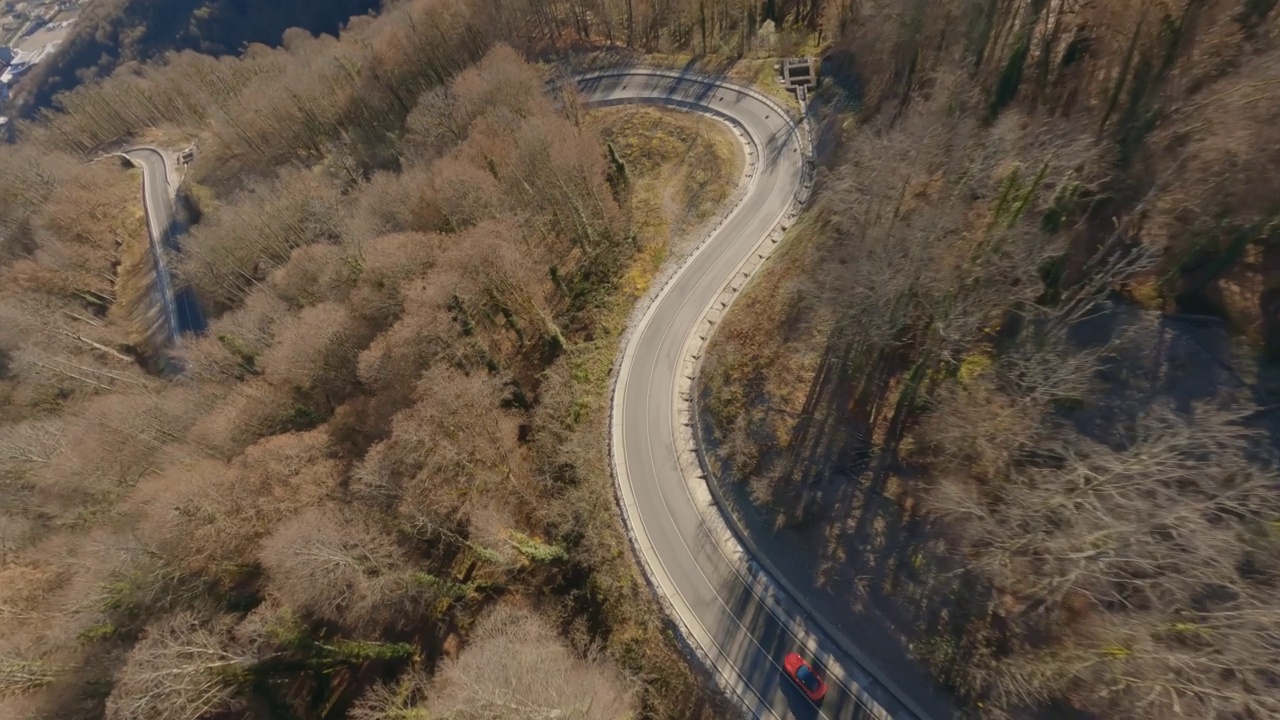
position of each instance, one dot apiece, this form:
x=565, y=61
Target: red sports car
x=804, y=676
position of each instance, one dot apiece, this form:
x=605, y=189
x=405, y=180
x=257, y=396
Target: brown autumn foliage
x=515, y=667
x=384, y=213
x=343, y=475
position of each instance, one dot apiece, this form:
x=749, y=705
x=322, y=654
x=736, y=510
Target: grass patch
x=682, y=167
x=760, y=362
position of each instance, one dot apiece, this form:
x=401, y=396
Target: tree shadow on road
x=839, y=520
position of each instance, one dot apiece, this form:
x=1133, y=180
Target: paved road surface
x=743, y=637
x=182, y=313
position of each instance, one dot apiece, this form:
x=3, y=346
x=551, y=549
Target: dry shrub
x=516, y=667
x=387, y=265
x=209, y=517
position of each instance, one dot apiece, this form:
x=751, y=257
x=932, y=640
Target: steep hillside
x=1008, y=394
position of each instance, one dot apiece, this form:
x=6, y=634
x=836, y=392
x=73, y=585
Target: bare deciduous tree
x=239, y=246
x=185, y=666
x=387, y=265
x=314, y=274
x=454, y=444
x=208, y=517
x=315, y=353
x=1145, y=558
x=510, y=280
x=246, y=414
x=501, y=84
x=394, y=361
x=341, y=567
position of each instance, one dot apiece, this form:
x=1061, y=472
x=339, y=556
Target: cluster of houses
x=31, y=31
x=16, y=63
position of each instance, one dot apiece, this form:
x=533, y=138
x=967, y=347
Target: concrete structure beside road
x=33, y=31
x=798, y=75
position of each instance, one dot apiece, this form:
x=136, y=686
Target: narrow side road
x=181, y=311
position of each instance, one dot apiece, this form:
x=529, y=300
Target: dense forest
x=1012, y=382
x=382, y=473
x=124, y=34
x=379, y=485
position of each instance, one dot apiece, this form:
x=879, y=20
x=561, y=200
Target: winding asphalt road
x=733, y=618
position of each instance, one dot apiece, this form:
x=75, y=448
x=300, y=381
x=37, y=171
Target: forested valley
x=1008, y=380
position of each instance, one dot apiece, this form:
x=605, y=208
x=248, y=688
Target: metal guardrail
x=758, y=582
x=656, y=291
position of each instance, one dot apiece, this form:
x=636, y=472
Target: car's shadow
x=801, y=707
